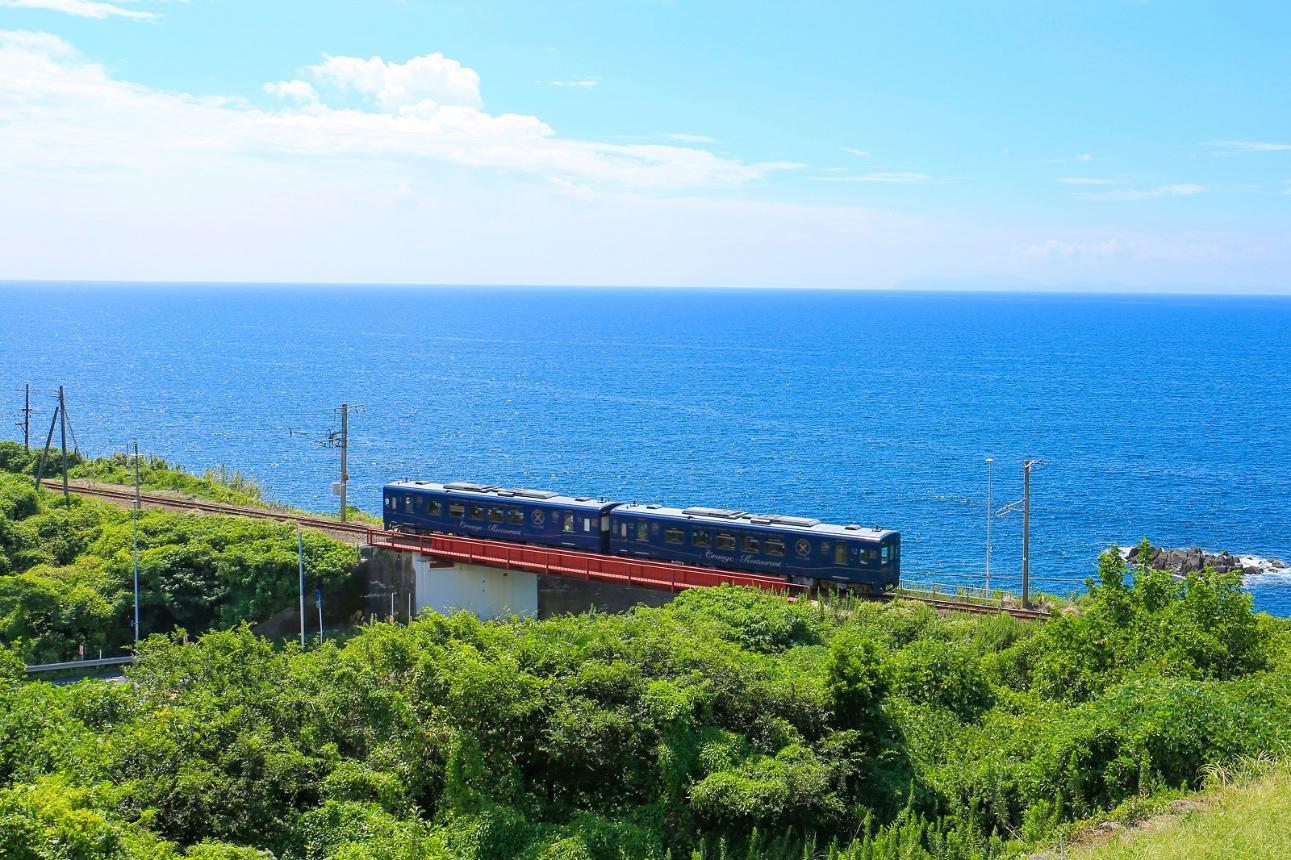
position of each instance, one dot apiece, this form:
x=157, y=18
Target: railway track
x=126, y=497
x=949, y=604
x=359, y=533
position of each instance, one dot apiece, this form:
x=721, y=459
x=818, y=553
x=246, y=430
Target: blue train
x=798, y=549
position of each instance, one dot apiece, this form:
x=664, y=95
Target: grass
x=1248, y=819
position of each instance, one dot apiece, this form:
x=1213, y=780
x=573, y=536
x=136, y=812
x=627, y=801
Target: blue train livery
x=797, y=548
x=480, y=510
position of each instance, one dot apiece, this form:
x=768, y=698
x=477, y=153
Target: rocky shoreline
x=1185, y=561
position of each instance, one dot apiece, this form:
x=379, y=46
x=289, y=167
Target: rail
x=127, y=496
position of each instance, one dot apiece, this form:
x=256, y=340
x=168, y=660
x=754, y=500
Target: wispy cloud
x=881, y=176
x=682, y=137
x=1085, y=180
x=301, y=91
x=859, y=153
x=1248, y=146
x=79, y=8
x=580, y=84
x=1084, y=156
x=1176, y=190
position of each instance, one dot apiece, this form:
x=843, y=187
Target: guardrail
x=577, y=565
x=79, y=664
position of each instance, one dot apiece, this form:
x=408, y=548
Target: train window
x=389, y=501
x=725, y=541
x=887, y=554
x=567, y=523
x=515, y=516
x=475, y=512
x=435, y=507
x=496, y=515
x=775, y=546
x=751, y=544
x=587, y=524
x=456, y=509
x=701, y=537
x=840, y=553
x=674, y=535
x=643, y=530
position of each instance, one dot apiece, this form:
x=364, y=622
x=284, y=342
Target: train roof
x=718, y=517
x=489, y=492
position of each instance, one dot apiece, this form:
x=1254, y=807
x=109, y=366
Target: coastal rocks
x=1185, y=561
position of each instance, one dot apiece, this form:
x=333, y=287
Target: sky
x=1103, y=144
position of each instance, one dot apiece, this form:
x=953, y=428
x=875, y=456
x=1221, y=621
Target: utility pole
x=345, y=445
x=318, y=600
x=339, y=439
x=990, y=514
x=26, y=417
x=1026, y=531
x=138, y=503
x=62, y=431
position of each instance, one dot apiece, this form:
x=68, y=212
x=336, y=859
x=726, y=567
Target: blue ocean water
x=1157, y=417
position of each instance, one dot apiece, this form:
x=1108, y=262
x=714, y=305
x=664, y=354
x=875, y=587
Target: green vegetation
x=66, y=573
x=1247, y=820
x=215, y=485
x=728, y=724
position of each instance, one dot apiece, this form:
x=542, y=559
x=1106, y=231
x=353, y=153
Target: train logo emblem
x=803, y=546
x=537, y=516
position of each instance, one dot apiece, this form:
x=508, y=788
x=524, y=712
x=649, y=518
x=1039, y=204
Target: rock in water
x=1195, y=559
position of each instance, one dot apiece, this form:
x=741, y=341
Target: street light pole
x=137, y=503
x=300, y=545
x=990, y=513
x=1026, y=531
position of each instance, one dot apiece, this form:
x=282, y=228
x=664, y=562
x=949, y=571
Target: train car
x=798, y=548
x=486, y=511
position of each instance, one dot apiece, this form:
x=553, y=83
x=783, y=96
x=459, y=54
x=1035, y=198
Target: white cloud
x=103, y=178
x=859, y=153
x=1177, y=190
x=583, y=84
x=1248, y=146
x=432, y=78
x=60, y=111
x=690, y=138
x=1084, y=156
x=1126, y=249
x=1084, y=180
x=79, y=8
x=301, y=91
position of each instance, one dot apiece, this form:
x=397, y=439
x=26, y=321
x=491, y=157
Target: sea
x=1158, y=417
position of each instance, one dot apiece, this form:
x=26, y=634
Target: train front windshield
x=890, y=554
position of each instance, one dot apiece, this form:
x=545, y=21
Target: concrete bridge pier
x=483, y=591
x=410, y=580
